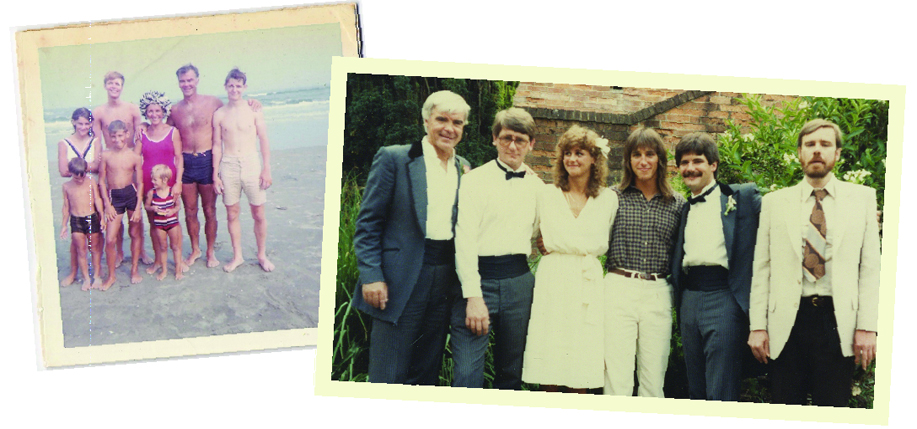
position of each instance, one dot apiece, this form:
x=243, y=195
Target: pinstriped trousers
x=713, y=333
x=411, y=351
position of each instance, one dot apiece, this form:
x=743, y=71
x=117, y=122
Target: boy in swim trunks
x=120, y=170
x=236, y=167
x=165, y=208
x=82, y=206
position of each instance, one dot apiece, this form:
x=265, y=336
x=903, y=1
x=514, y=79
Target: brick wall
x=614, y=112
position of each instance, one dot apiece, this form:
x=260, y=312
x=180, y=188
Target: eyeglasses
x=507, y=139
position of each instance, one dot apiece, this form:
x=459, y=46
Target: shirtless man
x=128, y=113
x=192, y=116
x=235, y=166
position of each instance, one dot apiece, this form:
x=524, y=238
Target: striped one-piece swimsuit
x=162, y=222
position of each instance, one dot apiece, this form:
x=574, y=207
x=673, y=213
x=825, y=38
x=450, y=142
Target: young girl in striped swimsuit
x=164, y=207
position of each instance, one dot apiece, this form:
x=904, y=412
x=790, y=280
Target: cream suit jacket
x=853, y=250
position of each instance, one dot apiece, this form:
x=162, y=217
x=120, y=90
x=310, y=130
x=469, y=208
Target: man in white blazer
x=815, y=289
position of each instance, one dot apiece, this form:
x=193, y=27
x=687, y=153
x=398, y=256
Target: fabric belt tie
x=706, y=278
x=502, y=267
x=439, y=252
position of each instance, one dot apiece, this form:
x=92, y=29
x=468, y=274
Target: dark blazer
x=391, y=227
x=740, y=229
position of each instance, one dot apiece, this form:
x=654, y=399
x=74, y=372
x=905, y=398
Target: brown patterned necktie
x=813, y=256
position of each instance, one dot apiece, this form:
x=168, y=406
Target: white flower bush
x=856, y=176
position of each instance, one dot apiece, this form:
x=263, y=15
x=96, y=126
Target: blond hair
x=162, y=172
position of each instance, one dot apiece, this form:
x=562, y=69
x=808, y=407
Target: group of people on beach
x=184, y=155
x=443, y=249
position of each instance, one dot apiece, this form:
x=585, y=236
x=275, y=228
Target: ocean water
x=294, y=118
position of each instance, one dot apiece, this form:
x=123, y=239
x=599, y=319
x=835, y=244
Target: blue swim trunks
x=198, y=168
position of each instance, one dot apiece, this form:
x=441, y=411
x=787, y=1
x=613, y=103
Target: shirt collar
x=707, y=188
x=829, y=186
x=508, y=168
x=429, y=152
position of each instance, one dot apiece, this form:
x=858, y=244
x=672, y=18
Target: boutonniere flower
x=730, y=205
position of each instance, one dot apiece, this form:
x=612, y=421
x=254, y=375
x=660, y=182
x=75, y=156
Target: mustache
x=688, y=174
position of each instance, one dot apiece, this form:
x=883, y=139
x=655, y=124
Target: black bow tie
x=511, y=174
x=700, y=199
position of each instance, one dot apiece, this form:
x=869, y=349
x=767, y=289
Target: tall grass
x=350, y=361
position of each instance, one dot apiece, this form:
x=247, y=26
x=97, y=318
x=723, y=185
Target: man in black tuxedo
x=712, y=270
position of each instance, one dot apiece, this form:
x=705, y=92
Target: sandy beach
x=209, y=301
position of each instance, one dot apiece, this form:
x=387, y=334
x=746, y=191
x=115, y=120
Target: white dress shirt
x=821, y=286
x=496, y=217
x=705, y=243
x=441, y=188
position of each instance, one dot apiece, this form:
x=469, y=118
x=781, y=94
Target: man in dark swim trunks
x=193, y=117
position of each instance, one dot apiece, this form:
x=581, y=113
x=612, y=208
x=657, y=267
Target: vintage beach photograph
x=149, y=144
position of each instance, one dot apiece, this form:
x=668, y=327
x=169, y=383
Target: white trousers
x=638, y=323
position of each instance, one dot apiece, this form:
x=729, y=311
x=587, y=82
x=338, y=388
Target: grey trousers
x=411, y=351
x=714, y=330
x=509, y=302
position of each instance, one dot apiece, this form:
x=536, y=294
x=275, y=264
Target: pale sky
x=273, y=59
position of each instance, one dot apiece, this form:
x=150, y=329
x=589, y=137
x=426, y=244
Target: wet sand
x=209, y=301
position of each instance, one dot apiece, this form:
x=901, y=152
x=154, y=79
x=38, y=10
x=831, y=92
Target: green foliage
x=766, y=154
x=385, y=110
x=350, y=361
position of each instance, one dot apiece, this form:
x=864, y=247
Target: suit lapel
x=842, y=204
x=729, y=220
x=417, y=171
x=792, y=205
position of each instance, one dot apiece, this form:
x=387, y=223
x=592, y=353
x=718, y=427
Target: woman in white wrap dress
x=564, y=346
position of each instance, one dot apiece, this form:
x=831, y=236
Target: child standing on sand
x=165, y=208
x=119, y=177
x=80, y=144
x=82, y=206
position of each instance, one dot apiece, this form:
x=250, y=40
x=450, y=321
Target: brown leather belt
x=637, y=274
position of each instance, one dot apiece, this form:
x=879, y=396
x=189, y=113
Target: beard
x=810, y=170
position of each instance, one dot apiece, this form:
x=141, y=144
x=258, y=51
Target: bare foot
x=108, y=283
x=119, y=259
x=266, y=264
x=185, y=268
x=193, y=257
x=161, y=275
x=145, y=259
x=153, y=269
x=67, y=281
x=212, y=261
x=233, y=264
x=135, y=278
x=179, y=275
x=96, y=284
x=86, y=285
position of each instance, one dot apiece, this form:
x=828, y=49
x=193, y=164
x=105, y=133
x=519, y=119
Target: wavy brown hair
x=578, y=137
x=646, y=137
